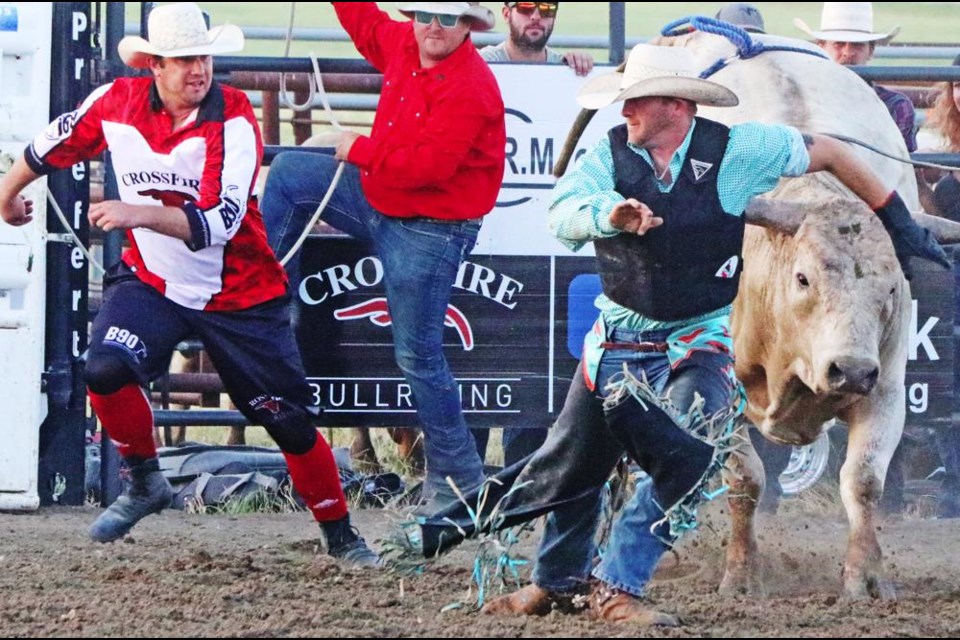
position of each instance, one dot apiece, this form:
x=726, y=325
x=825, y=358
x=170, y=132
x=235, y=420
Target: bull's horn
x=574, y=135
x=573, y=139
x=946, y=231
x=778, y=215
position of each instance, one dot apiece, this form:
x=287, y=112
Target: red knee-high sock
x=315, y=478
x=127, y=418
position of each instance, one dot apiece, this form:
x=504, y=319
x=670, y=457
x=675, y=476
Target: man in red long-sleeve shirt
x=415, y=190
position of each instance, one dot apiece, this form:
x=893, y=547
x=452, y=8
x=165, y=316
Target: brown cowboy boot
x=612, y=605
x=528, y=601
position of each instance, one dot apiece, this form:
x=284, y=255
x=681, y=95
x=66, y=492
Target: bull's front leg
x=744, y=475
x=362, y=453
x=873, y=439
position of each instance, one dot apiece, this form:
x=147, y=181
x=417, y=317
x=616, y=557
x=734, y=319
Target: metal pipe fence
x=913, y=51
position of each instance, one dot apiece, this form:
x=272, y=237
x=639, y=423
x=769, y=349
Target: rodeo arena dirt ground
x=260, y=575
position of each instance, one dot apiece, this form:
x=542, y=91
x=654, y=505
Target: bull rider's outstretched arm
x=909, y=238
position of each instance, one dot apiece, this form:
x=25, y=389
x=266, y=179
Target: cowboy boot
x=147, y=492
x=612, y=605
x=531, y=600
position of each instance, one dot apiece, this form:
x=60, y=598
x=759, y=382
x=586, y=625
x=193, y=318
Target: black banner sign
x=514, y=331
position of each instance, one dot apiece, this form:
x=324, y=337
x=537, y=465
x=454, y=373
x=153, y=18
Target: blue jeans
x=568, y=547
x=420, y=260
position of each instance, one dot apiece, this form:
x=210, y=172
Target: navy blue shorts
x=253, y=350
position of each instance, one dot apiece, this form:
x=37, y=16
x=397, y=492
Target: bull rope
x=740, y=38
x=911, y=161
x=747, y=48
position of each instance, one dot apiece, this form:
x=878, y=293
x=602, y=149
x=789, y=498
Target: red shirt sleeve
x=373, y=32
x=73, y=137
x=233, y=156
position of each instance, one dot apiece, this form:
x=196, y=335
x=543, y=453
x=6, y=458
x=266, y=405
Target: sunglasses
x=547, y=9
x=446, y=21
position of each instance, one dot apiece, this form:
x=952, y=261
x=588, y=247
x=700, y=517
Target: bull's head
x=838, y=290
x=831, y=291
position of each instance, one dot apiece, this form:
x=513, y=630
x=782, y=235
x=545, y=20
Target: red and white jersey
x=208, y=168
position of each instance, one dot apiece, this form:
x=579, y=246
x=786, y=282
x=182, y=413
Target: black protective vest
x=689, y=265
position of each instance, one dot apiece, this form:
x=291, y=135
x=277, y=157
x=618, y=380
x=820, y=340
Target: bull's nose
x=853, y=375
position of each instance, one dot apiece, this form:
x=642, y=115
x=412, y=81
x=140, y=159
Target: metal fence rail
x=915, y=51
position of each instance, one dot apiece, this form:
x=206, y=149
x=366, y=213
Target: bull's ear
x=946, y=231
x=777, y=215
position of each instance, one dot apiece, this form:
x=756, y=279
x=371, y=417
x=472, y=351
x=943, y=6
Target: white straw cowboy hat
x=481, y=18
x=668, y=72
x=176, y=31
x=846, y=22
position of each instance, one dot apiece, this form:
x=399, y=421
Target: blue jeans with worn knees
x=420, y=260
x=567, y=549
x=634, y=550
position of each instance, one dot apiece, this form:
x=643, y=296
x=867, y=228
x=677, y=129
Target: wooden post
x=302, y=120
x=271, y=117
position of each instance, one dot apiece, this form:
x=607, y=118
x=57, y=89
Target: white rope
x=291, y=101
x=916, y=163
x=316, y=216
x=73, y=234
x=324, y=100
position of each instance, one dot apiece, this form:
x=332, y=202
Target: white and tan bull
x=820, y=324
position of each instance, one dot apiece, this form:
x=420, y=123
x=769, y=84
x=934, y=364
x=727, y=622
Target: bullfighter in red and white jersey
x=186, y=151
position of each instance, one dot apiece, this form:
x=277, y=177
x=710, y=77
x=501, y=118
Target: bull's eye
x=802, y=281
